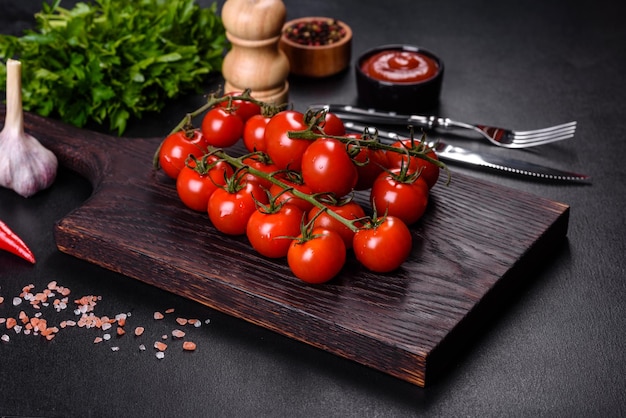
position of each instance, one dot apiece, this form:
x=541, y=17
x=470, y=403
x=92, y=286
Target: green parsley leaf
x=109, y=60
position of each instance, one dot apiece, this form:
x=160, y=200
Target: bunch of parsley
x=108, y=60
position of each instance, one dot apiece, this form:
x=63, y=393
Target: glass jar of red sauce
x=400, y=66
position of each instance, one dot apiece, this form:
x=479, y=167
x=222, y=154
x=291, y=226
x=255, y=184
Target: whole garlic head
x=26, y=166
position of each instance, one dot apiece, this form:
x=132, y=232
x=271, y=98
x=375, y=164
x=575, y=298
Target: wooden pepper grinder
x=255, y=61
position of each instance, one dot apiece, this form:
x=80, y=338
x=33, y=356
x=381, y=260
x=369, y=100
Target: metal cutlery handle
x=359, y=114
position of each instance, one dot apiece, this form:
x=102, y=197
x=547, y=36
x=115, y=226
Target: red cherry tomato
x=350, y=211
x=195, y=185
x=254, y=133
x=430, y=171
x=394, y=197
x=284, y=151
x=222, y=128
x=384, y=246
x=229, y=210
x=243, y=108
x=371, y=162
x=271, y=233
x=319, y=259
x=281, y=195
x=261, y=163
x=332, y=125
x=177, y=147
x=327, y=167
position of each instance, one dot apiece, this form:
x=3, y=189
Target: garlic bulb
x=26, y=166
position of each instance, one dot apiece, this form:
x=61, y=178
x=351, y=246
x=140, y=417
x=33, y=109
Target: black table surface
x=557, y=349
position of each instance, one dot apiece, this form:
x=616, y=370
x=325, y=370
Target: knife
x=453, y=153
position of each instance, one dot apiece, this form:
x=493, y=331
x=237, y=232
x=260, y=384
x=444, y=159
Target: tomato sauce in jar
x=400, y=66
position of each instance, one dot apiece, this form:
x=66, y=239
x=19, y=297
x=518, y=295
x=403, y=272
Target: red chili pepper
x=9, y=241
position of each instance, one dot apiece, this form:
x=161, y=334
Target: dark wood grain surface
x=475, y=244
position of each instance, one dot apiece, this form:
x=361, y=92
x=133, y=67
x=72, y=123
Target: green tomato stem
x=372, y=143
x=238, y=163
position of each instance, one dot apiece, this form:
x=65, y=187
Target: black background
x=556, y=350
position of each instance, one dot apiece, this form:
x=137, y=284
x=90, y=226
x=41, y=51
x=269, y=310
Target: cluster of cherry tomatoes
x=291, y=194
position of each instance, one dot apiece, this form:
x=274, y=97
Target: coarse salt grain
x=169, y=311
x=189, y=346
x=23, y=317
x=115, y=348
x=160, y=355
x=158, y=315
x=182, y=321
x=139, y=331
x=142, y=347
x=17, y=301
x=160, y=346
x=178, y=333
x=107, y=337
x=121, y=318
x=5, y=338
x=1, y=300
x=11, y=322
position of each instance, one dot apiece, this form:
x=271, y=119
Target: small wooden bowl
x=317, y=61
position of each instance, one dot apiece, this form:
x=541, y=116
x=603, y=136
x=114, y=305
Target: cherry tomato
x=197, y=182
x=371, y=162
x=317, y=259
x=260, y=162
x=327, y=167
x=229, y=210
x=286, y=196
x=222, y=128
x=271, y=233
x=406, y=200
x=350, y=211
x=284, y=151
x=254, y=133
x=430, y=171
x=383, y=246
x=177, y=147
x=332, y=125
x=243, y=108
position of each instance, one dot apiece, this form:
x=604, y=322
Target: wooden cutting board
x=475, y=244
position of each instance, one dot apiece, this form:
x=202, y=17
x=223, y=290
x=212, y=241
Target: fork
x=497, y=136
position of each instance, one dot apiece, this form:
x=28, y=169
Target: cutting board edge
x=494, y=301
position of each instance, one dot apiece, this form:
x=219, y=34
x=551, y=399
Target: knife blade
x=455, y=154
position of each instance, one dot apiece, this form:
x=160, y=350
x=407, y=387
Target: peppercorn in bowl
x=316, y=46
